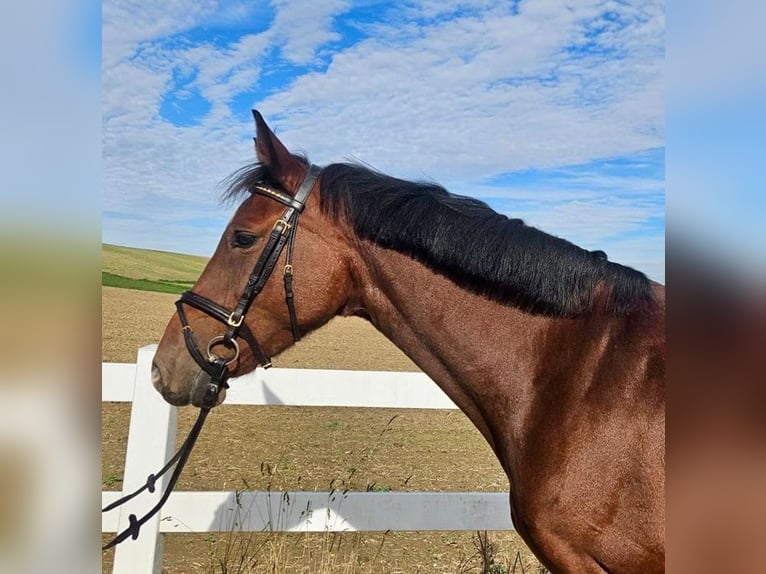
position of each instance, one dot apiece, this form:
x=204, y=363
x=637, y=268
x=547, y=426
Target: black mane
x=476, y=247
x=469, y=243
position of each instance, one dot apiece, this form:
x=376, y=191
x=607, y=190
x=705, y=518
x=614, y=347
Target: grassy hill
x=149, y=270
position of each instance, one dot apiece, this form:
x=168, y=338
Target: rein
x=282, y=235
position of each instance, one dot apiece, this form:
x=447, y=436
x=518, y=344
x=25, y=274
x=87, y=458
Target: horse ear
x=286, y=169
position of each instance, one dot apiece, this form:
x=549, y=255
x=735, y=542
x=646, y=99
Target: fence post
x=151, y=442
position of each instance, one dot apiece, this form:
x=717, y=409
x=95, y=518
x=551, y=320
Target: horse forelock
x=242, y=183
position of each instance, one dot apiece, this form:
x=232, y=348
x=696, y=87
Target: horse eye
x=243, y=240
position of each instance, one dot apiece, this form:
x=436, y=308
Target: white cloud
x=479, y=95
x=304, y=26
x=128, y=23
x=459, y=91
x=588, y=222
x=138, y=74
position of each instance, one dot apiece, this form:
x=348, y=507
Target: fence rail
x=151, y=439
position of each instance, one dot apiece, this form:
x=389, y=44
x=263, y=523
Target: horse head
x=240, y=296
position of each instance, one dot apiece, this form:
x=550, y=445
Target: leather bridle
x=282, y=235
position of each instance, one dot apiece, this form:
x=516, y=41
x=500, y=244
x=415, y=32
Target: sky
x=548, y=110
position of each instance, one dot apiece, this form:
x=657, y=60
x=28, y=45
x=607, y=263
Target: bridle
x=282, y=235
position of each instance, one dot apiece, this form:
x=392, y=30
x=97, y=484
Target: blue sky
x=548, y=110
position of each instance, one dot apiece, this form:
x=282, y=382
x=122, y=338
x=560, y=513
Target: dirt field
x=312, y=449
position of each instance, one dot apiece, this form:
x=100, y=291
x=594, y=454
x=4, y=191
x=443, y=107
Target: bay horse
x=553, y=352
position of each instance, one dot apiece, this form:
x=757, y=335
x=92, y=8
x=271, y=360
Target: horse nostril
x=156, y=377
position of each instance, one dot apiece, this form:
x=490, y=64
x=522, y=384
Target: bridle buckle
x=285, y=226
x=232, y=322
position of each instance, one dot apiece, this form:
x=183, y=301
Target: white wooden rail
x=151, y=439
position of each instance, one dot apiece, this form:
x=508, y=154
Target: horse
x=555, y=353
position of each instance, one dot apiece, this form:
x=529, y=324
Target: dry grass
x=313, y=449
x=131, y=319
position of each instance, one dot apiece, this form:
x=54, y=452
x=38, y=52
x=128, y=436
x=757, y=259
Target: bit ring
x=227, y=343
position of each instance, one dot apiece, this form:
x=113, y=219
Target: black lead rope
x=179, y=457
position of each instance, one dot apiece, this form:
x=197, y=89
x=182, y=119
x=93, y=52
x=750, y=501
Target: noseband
x=282, y=235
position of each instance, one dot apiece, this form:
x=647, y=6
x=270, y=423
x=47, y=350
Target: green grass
x=375, y=487
x=112, y=280
x=151, y=265
x=111, y=480
x=148, y=270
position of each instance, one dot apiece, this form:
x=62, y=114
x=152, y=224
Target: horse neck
x=484, y=355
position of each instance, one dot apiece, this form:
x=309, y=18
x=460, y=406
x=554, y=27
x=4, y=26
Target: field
x=282, y=448
x=148, y=270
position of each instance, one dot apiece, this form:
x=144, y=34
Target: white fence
x=151, y=441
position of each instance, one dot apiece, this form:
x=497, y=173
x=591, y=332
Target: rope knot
x=134, y=526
